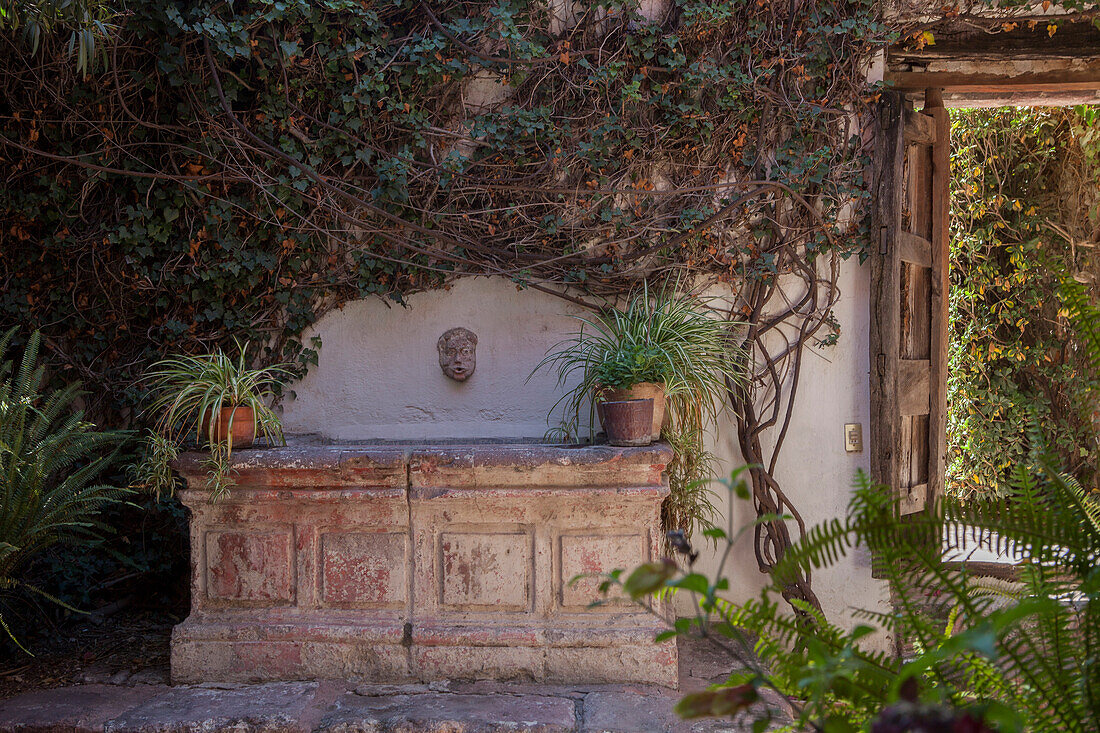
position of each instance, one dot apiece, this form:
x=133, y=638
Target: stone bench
x=390, y=563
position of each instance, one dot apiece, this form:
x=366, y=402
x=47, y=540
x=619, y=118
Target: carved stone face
x=458, y=353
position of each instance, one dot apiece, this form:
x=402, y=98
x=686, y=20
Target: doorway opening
x=979, y=232
x=1025, y=216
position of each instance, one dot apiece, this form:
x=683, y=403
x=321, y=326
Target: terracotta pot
x=627, y=422
x=644, y=390
x=244, y=426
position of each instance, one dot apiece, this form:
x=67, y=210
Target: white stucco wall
x=378, y=378
x=378, y=375
x=814, y=469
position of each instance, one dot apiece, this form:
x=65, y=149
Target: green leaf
x=649, y=578
x=693, y=582
x=722, y=702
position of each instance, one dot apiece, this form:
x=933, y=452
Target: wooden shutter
x=909, y=300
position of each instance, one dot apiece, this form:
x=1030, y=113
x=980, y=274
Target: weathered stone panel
x=428, y=563
x=364, y=569
x=485, y=570
x=249, y=567
x=584, y=560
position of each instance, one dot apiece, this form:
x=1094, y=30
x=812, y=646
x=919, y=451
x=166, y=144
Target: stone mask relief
x=458, y=353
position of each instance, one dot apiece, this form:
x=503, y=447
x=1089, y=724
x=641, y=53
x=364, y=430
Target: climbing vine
x=240, y=168
x=1024, y=211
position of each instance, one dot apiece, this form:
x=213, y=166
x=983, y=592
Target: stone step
x=333, y=707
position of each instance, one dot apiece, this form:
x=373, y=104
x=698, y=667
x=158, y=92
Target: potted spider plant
x=633, y=371
x=661, y=346
x=666, y=346
x=216, y=400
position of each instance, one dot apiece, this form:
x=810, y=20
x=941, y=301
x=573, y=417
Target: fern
x=1021, y=653
x=1013, y=655
x=49, y=461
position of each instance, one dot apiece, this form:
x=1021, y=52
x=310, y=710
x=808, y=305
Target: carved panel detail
x=485, y=571
x=364, y=569
x=250, y=567
x=589, y=555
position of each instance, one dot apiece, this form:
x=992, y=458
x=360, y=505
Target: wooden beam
x=1009, y=572
x=965, y=41
x=953, y=82
x=1035, y=99
x=915, y=248
x=913, y=499
x=884, y=307
x=920, y=129
x=941, y=256
x=913, y=375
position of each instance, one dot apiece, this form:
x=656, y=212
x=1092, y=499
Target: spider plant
x=153, y=472
x=671, y=338
x=662, y=336
x=188, y=393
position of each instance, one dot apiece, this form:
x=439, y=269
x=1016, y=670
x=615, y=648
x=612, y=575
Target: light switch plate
x=853, y=437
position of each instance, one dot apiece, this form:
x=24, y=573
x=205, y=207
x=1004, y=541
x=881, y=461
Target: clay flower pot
x=627, y=422
x=642, y=391
x=243, y=428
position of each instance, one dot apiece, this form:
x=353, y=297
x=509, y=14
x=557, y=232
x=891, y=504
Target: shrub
x=49, y=462
x=1022, y=190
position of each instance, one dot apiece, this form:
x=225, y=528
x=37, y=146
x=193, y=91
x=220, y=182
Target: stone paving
x=338, y=707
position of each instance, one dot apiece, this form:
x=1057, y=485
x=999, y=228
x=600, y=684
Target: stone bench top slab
x=471, y=463
x=479, y=453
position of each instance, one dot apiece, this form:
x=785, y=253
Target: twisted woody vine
x=214, y=168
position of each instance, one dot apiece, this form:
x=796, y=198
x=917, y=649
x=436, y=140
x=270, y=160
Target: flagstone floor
x=142, y=703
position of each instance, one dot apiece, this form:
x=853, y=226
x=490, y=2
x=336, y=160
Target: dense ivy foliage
x=241, y=168
x=1024, y=208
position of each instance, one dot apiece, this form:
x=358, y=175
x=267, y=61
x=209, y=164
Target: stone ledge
x=336, y=707
x=451, y=713
x=296, y=467
x=544, y=466
x=83, y=709
x=475, y=464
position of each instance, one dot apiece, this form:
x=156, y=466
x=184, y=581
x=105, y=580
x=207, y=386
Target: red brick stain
x=246, y=567
x=355, y=579
x=590, y=561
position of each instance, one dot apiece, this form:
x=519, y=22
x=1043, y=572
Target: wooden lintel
x=960, y=82
x=964, y=41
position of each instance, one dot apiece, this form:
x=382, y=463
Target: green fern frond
x=49, y=460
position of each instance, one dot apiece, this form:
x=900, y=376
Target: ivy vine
x=1025, y=213
x=240, y=168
